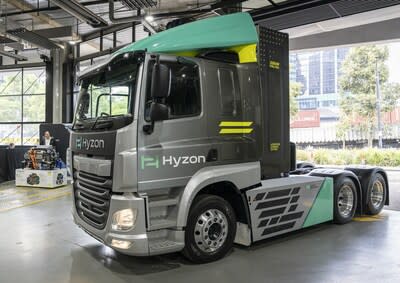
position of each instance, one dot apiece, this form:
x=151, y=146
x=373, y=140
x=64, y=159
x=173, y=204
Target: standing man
x=47, y=139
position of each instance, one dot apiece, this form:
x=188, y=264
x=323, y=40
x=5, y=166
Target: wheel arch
x=338, y=173
x=225, y=181
x=229, y=192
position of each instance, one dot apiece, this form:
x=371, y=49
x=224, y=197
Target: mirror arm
x=149, y=128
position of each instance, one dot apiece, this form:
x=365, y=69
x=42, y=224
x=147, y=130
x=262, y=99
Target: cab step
x=162, y=201
x=157, y=224
x=158, y=246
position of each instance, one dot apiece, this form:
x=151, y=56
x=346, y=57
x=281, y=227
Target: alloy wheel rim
x=211, y=230
x=377, y=194
x=345, y=201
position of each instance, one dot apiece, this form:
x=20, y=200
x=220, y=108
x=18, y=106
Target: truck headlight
x=121, y=244
x=124, y=219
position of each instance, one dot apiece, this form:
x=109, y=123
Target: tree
x=358, y=88
x=294, y=91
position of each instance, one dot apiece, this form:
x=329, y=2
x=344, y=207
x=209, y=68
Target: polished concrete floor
x=40, y=243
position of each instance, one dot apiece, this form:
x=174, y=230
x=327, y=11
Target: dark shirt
x=52, y=141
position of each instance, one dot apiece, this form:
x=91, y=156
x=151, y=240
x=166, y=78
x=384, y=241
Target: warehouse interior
x=47, y=46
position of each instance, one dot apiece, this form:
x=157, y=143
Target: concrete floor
x=40, y=243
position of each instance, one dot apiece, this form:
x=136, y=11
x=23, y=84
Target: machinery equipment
x=42, y=158
x=181, y=143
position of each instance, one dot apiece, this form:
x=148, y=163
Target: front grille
x=92, y=198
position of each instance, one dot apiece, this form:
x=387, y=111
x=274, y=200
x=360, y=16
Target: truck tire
x=345, y=200
x=376, y=195
x=210, y=229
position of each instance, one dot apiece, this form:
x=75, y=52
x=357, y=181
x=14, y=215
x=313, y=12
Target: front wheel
x=210, y=230
x=345, y=200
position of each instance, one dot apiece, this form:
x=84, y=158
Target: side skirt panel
x=322, y=209
x=282, y=205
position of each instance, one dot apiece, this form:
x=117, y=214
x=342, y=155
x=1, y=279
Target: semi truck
x=180, y=142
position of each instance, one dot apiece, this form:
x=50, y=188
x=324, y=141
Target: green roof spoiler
x=222, y=32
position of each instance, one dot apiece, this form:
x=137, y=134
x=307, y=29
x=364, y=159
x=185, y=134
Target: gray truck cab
x=184, y=146
x=127, y=152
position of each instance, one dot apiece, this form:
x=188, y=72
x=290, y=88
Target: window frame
x=24, y=93
x=147, y=82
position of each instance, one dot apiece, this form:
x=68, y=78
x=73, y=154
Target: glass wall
x=22, y=105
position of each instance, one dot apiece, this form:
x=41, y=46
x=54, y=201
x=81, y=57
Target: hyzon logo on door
x=157, y=162
x=88, y=144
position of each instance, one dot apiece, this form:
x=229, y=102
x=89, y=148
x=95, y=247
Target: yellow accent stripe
x=247, y=53
x=274, y=64
x=236, y=131
x=235, y=124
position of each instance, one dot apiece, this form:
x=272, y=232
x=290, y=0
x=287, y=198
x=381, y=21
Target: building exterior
x=319, y=74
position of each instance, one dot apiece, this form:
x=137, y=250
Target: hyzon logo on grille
x=87, y=144
x=156, y=161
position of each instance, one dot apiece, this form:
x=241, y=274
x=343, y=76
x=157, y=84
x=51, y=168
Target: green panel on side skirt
x=216, y=32
x=322, y=209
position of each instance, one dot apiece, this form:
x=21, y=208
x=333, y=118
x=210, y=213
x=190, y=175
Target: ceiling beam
x=22, y=5
x=13, y=55
x=285, y=8
x=374, y=32
x=47, y=9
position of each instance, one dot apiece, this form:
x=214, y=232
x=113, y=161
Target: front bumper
x=136, y=236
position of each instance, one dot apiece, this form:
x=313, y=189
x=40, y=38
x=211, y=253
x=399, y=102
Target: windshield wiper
x=102, y=115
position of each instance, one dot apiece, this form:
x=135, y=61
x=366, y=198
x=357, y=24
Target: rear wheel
x=376, y=195
x=345, y=200
x=210, y=229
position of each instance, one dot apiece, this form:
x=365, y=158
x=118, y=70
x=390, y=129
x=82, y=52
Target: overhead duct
x=33, y=38
x=80, y=12
x=13, y=55
x=140, y=18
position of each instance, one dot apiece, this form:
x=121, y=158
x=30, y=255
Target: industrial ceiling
x=48, y=24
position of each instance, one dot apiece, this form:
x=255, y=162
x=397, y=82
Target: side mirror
x=160, y=81
x=158, y=112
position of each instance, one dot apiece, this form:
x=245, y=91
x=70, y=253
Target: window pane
x=10, y=82
x=184, y=98
x=35, y=81
x=95, y=93
x=227, y=91
x=10, y=133
x=120, y=105
x=315, y=73
x=108, y=41
x=328, y=65
x=124, y=36
x=89, y=47
x=34, y=108
x=10, y=109
x=31, y=134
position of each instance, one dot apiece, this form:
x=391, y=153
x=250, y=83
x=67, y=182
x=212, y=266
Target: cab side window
x=184, y=99
x=229, y=95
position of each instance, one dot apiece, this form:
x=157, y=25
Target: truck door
x=178, y=146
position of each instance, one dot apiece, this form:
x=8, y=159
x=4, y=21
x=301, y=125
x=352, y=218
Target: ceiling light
x=149, y=18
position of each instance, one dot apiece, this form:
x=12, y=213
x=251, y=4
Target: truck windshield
x=106, y=99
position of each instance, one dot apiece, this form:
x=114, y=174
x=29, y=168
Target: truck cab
x=181, y=142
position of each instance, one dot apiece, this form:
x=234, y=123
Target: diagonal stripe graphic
x=235, y=124
x=236, y=131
